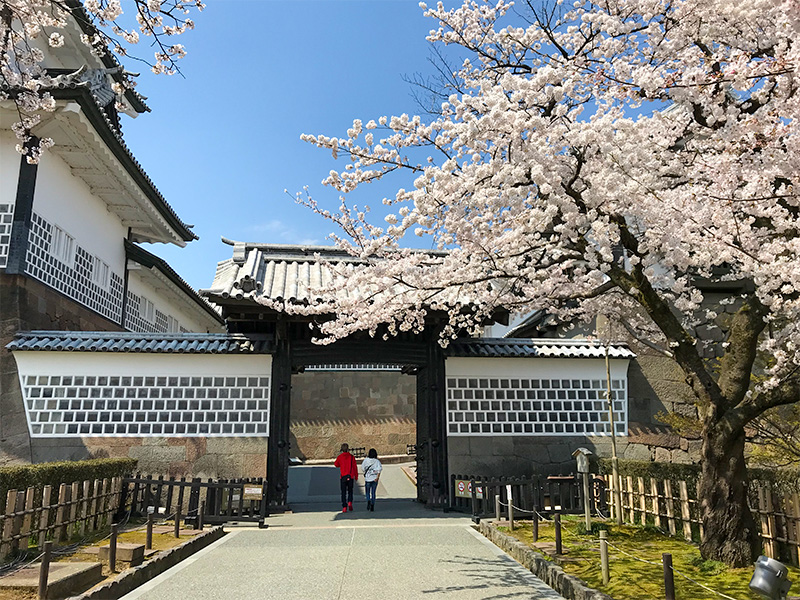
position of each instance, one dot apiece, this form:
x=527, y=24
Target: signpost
x=464, y=489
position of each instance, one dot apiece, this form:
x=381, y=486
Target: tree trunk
x=731, y=533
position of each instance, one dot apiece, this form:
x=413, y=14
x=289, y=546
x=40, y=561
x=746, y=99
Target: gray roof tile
x=168, y=343
x=530, y=348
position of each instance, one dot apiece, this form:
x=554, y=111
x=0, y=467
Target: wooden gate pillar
x=432, y=466
x=280, y=404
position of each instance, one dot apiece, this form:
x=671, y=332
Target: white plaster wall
x=108, y=363
x=9, y=167
x=186, y=312
x=544, y=368
x=66, y=201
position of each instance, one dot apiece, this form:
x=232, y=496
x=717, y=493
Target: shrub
x=55, y=473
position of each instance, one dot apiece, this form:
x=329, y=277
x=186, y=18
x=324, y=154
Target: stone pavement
x=400, y=551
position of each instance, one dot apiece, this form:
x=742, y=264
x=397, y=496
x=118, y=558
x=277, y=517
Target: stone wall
x=374, y=409
x=173, y=457
x=26, y=304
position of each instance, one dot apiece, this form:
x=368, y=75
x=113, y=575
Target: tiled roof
x=123, y=154
x=108, y=59
x=529, y=348
x=167, y=343
x=146, y=259
x=274, y=271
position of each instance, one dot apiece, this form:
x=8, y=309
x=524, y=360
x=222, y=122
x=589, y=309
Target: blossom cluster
x=600, y=159
x=30, y=30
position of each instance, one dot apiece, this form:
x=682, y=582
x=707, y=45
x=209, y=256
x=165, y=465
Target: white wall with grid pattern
x=71, y=275
x=6, y=218
x=9, y=174
x=534, y=396
x=168, y=315
x=145, y=395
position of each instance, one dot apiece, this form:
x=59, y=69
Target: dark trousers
x=347, y=490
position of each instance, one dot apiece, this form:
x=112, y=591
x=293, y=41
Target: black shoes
x=371, y=506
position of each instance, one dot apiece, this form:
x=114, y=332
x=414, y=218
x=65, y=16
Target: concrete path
x=400, y=551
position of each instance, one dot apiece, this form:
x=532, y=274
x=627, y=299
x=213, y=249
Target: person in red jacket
x=348, y=471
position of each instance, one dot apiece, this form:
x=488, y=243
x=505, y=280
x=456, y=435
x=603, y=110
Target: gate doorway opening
x=363, y=405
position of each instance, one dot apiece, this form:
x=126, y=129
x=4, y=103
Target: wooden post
x=61, y=513
x=655, y=504
x=178, y=523
x=94, y=504
x=669, y=578
x=698, y=513
x=642, y=499
x=557, y=520
x=685, y=513
x=30, y=496
x=497, y=506
x=535, y=525
x=148, y=543
x=73, y=508
x=112, y=549
x=44, y=570
x=587, y=503
x=87, y=492
x=112, y=493
x=44, y=516
x=200, y=513
x=19, y=509
x=8, y=523
x=510, y=508
x=767, y=520
x=669, y=504
x=604, y=556
x=631, y=505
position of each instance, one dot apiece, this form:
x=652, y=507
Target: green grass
x=632, y=579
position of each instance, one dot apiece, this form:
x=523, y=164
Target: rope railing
x=667, y=567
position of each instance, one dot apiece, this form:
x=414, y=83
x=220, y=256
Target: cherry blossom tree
x=30, y=29
x=634, y=159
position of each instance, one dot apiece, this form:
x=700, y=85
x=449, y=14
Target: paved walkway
x=400, y=551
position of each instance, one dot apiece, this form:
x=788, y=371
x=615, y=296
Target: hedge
x=55, y=473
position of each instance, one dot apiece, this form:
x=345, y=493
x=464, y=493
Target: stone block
x=681, y=457
x=127, y=553
x=232, y=445
x=663, y=455
x=157, y=458
x=65, y=578
x=637, y=452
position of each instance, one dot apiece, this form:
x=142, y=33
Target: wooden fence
x=545, y=494
x=223, y=500
x=57, y=513
x=673, y=507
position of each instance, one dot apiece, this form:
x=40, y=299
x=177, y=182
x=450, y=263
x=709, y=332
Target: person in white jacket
x=372, y=468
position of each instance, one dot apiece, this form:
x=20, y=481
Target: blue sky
x=222, y=143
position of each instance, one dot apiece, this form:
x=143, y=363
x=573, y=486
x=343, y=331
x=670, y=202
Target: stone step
x=128, y=553
x=65, y=578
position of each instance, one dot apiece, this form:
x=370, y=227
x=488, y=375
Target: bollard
x=535, y=525
x=148, y=541
x=44, y=570
x=178, y=523
x=587, y=510
x=200, y=514
x=669, y=581
x=112, y=549
x=557, y=521
x=604, y=556
x=510, y=508
x=497, y=507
